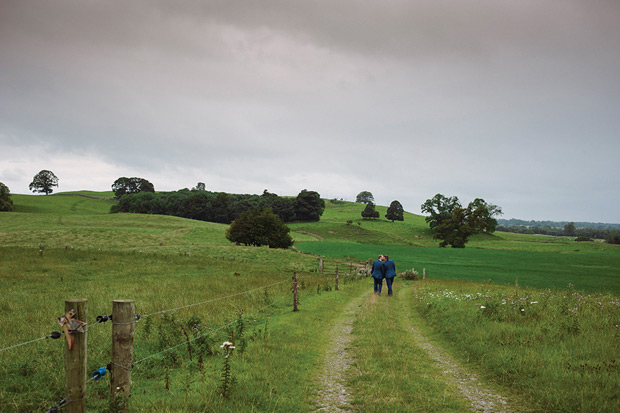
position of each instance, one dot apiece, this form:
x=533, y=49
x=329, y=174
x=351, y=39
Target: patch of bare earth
x=333, y=395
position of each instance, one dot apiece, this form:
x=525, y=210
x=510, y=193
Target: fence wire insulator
x=102, y=318
x=56, y=408
x=138, y=316
x=55, y=335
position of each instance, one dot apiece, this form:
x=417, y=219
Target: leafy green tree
x=200, y=186
x=440, y=209
x=370, y=212
x=395, y=212
x=259, y=227
x=43, y=182
x=570, y=230
x=6, y=203
x=365, y=197
x=133, y=185
x=487, y=212
x=309, y=206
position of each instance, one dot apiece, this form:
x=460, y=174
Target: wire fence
x=100, y=372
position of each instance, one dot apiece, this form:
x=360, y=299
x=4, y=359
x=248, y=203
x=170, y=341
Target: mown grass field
x=67, y=246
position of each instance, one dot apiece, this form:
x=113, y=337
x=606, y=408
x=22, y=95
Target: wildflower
x=523, y=309
x=483, y=307
x=534, y=302
x=227, y=345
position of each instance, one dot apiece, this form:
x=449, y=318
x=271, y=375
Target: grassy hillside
x=67, y=245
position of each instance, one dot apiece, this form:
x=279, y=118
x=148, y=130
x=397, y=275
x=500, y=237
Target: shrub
x=409, y=274
x=579, y=239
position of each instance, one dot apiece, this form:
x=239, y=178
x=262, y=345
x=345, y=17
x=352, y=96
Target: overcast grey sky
x=516, y=102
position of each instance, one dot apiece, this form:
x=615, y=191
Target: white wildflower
x=483, y=307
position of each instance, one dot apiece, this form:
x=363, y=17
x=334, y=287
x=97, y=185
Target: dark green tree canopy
x=365, y=197
x=439, y=208
x=43, y=182
x=259, y=227
x=6, y=203
x=454, y=224
x=570, y=230
x=395, y=212
x=370, y=212
x=309, y=206
x=123, y=186
x=200, y=186
x=487, y=212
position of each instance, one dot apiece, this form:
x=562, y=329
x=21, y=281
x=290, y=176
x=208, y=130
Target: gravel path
x=482, y=399
x=333, y=395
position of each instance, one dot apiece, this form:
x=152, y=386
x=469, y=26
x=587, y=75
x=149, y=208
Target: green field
x=64, y=246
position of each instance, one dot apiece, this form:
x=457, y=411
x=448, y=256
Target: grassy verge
x=390, y=372
x=559, y=349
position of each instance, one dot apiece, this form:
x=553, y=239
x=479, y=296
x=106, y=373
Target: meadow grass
x=63, y=246
x=556, y=348
x=390, y=372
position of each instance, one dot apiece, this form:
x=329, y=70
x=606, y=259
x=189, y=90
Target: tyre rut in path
x=333, y=395
x=482, y=399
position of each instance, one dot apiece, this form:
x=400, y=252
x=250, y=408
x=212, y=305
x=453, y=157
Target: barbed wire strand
x=212, y=300
x=24, y=343
x=184, y=343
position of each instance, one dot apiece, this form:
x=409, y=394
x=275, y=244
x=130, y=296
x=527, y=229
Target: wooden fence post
x=336, y=277
x=75, y=361
x=320, y=265
x=295, y=292
x=424, y=273
x=123, y=325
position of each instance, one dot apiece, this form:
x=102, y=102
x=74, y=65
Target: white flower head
x=482, y=307
x=227, y=344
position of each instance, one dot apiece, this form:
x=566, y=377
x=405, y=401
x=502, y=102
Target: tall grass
x=557, y=348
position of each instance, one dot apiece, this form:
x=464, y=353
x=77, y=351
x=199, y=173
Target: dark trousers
x=378, y=285
x=389, y=282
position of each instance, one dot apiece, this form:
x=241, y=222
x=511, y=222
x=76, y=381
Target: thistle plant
x=227, y=377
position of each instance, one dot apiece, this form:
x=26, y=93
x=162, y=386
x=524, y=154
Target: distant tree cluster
x=221, y=207
x=6, y=203
x=453, y=224
x=567, y=230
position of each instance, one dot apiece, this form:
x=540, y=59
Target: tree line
x=220, y=207
x=612, y=236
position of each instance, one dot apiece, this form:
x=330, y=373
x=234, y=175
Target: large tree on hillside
x=6, y=203
x=395, y=212
x=487, y=212
x=43, y=182
x=370, y=212
x=309, y=206
x=259, y=227
x=133, y=185
x=439, y=208
x=365, y=197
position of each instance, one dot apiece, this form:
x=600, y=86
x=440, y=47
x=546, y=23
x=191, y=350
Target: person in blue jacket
x=378, y=273
x=390, y=273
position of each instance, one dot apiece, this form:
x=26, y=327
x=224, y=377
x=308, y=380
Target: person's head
x=386, y=257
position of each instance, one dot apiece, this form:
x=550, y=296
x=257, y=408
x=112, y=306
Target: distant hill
x=554, y=224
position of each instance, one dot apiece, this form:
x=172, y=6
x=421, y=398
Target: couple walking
x=383, y=267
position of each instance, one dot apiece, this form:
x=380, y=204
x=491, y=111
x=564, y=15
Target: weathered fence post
x=123, y=325
x=336, y=277
x=320, y=265
x=295, y=291
x=423, y=273
x=75, y=360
